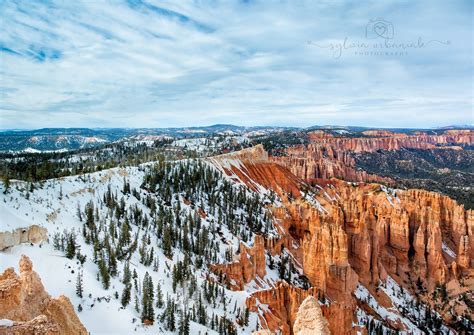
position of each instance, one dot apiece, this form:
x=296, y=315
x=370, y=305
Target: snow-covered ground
x=54, y=206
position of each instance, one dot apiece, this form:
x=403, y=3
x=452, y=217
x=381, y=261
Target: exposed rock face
x=278, y=309
x=346, y=234
x=325, y=161
x=31, y=234
x=330, y=157
x=250, y=264
x=40, y=325
x=253, y=167
x=310, y=319
x=33, y=311
x=401, y=233
x=380, y=133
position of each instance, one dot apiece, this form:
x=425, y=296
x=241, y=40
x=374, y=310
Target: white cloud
x=150, y=63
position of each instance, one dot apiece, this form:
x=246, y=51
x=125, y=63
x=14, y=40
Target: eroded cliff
x=347, y=236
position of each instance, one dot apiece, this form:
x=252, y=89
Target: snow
x=401, y=300
x=31, y=150
x=448, y=250
x=363, y=294
x=391, y=194
x=6, y=323
x=45, y=207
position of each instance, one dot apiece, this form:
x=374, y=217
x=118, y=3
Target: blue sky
x=148, y=63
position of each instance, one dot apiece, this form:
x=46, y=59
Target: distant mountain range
x=54, y=139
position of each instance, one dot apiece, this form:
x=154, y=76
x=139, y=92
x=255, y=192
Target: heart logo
x=380, y=29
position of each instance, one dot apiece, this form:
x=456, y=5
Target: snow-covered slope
x=61, y=206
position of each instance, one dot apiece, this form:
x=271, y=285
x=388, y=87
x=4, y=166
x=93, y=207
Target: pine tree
x=71, y=246
x=6, y=184
x=126, y=295
x=167, y=241
x=202, y=315
x=148, y=313
x=127, y=276
x=79, y=213
x=184, y=326
x=159, y=296
x=246, y=316
x=79, y=284
x=104, y=273
x=90, y=216
x=170, y=318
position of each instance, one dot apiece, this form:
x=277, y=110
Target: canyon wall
x=330, y=157
x=346, y=234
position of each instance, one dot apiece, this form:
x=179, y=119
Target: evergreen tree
x=167, y=241
x=6, y=184
x=127, y=275
x=169, y=313
x=159, y=296
x=184, y=326
x=126, y=296
x=148, y=313
x=246, y=316
x=71, y=246
x=79, y=213
x=104, y=273
x=79, y=284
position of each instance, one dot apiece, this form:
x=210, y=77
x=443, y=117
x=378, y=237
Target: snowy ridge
x=55, y=205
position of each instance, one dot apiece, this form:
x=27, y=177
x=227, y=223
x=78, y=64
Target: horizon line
x=467, y=125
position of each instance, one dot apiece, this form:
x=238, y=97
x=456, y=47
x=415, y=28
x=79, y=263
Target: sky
x=149, y=63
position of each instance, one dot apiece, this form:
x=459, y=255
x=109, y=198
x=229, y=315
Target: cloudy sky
x=150, y=63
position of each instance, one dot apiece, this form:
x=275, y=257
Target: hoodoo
x=30, y=309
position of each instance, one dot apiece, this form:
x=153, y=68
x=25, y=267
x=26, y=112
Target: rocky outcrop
x=397, y=141
x=251, y=263
x=310, y=319
x=323, y=161
x=381, y=133
x=331, y=157
x=40, y=325
x=29, y=306
x=278, y=309
x=252, y=167
x=401, y=233
x=32, y=234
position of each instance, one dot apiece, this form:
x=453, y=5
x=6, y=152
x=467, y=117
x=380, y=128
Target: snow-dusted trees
x=79, y=284
x=71, y=245
x=184, y=327
x=148, y=313
x=104, y=272
x=126, y=293
x=159, y=296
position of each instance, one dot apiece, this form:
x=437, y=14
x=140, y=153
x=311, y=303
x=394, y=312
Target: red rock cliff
x=344, y=234
x=330, y=157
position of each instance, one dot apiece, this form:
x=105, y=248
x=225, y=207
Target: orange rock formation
x=29, y=306
x=344, y=234
x=330, y=157
x=250, y=264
